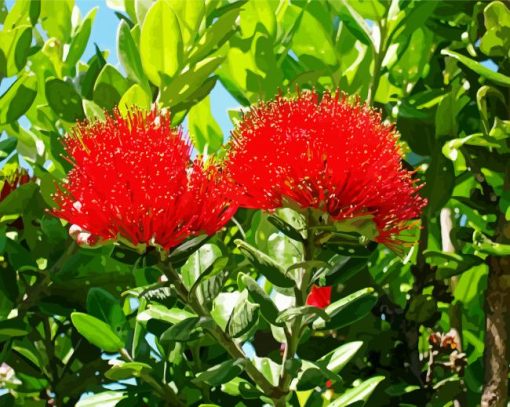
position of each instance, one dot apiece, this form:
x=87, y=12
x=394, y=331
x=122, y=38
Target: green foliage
x=178, y=326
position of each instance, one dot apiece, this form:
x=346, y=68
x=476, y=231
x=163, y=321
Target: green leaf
x=440, y=181
x=215, y=35
x=128, y=370
x=22, y=12
x=359, y=393
x=11, y=328
x=204, y=131
x=303, y=311
x=134, y=96
x=338, y=358
x=129, y=56
x=268, y=308
x=223, y=307
x=198, y=263
x=104, y=399
x=97, y=332
x=422, y=309
x=101, y=304
x=348, y=310
x=7, y=146
x=181, y=331
x=240, y=388
x=354, y=22
x=243, y=318
x=496, y=42
x=18, y=98
x=181, y=89
x=189, y=14
x=109, y=87
x=64, y=100
x=80, y=40
x=14, y=50
x=172, y=315
x=271, y=370
x=265, y=265
x=181, y=253
x=215, y=268
x=222, y=373
x=92, y=111
x=477, y=67
x=286, y=228
x=56, y=18
x=161, y=45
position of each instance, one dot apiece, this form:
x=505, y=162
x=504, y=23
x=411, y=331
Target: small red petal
x=319, y=296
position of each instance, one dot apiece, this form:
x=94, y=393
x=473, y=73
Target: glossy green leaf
x=215, y=35
x=338, y=358
x=128, y=370
x=268, y=308
x=356, y=23
x=56, y=18
x=240, y=388
x=92, y=110
x=135, y=96
x=181, y=88
x=487, y=73
x=244, y=317
x=104, y=306
x=204, y=131
x=109, y=87
x=7, y=146
x=18, y=98
x=80, y=40
x=14, y=49
x=360, y=393
x=104, y=399
x=129, y=55
x=198, y=263
x=181, y=331
x=171, y=315
x=304, y=311
x=11, y=328
x=97, y=332
x=222, y=373
x=64, y=100
x=348, y=310
x=189, y=14
x=265, y=265
x=495, y=41
x=161, y=45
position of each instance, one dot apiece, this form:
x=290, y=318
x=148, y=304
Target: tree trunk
x=497, y=319
x=497, y=302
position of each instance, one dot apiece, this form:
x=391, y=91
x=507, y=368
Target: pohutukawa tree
x=331, y=160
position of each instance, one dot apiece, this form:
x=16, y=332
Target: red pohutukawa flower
x=328, y=153
x=11, y=182
x=319, y=296
x=133, y=178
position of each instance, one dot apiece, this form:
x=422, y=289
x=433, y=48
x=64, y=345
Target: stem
x=378, y=55
x=294, y=334
x=164, y=391
x=217, y=333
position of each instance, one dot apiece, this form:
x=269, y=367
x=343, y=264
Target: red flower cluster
x=11, y=182
x=319, y=296
x=330, y=154
x=133, y=178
